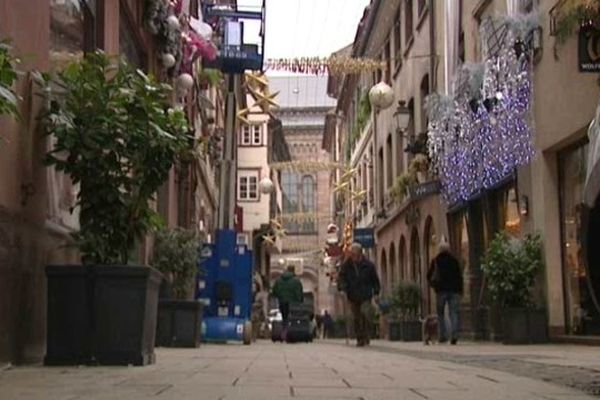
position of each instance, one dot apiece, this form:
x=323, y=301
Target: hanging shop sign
x=365, y=236
x=589, y=49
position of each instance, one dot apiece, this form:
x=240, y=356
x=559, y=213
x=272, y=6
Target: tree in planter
x=117, y=137
x=404, y=312
x=176, y=256
x=403, y=182
x=510, y=267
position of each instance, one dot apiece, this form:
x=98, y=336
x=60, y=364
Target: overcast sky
x=299, y=28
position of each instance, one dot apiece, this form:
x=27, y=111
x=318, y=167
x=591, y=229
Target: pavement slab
x=321, y=370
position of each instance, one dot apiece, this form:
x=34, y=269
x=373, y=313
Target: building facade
x=306, y=209
x=425, y=45
x=36, y=203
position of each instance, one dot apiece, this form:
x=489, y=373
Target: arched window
x=308, y=201
x=402, y=259
x=393, y=273
x=415, y=256
x=384, y=273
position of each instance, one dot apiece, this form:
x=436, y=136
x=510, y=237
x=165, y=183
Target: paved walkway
x=323, y=370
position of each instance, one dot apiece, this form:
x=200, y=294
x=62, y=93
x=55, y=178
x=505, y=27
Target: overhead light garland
x=334, y=65
x=478, y=136
x=305, y=166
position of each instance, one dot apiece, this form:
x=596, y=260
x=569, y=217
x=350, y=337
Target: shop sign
x=424, y=190
x=589, y=49
x=365, y=236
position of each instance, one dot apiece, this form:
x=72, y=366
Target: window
x=72, y=30
x=251, y=135
x=461, y=34
x=298, y=197
x=421, y=4
x=388, y=61
x=408, y=20
x=389, y=173
x=129, y=42
x=398, y=41
x=248, y=185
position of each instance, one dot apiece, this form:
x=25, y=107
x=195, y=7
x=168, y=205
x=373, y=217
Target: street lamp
x=402, y=116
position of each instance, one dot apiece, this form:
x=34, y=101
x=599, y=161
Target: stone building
x=36, y=216
x=306, y=209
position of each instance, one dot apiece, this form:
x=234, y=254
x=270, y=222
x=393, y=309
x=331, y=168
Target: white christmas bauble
x=266, y=185
x=168, y=60
x=173, y=22
x=185, y=81
x=381, y=96
x=202, y=28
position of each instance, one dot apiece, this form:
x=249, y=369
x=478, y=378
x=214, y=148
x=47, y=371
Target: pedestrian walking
x=327, y=325
x=358, y=278
x=444, y=276
x=287, y=290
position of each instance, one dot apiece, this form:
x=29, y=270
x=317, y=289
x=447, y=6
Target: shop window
x=72, y=30
x=581, y=313
x=430, y=253
x=129, y=44
x=510, y=213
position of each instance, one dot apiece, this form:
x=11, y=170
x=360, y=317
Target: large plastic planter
x=69, y=318
x=126, y=303
x=179, y=323
x=101, y=315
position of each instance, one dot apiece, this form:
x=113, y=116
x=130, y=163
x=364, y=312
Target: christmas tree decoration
x=173, y=22
x=168, y=60
x=185, y=81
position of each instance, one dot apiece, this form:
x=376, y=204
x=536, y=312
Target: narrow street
x=324, y=370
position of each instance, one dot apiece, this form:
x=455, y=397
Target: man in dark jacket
x=445, y=277
x=287, y=289
x=358, y=278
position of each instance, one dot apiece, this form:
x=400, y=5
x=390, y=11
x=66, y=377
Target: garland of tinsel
x=335, y=65
x=478, y=136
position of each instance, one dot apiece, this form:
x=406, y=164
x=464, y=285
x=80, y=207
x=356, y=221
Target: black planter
x=410, y=331
x=68, y=333
x=394, y=331
x=179, y=323
x=101, y=314
x=524, y=325
x=126, y=303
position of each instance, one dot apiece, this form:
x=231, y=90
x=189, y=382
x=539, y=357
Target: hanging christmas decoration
x=305, y=166
x=335, y=65
x=480, y=134
x=168, y=60
x=381, y=96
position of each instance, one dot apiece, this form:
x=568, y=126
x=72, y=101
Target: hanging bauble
x=381, y=96
x=266, y=185
x=173, y=22
x=202, y=28
x=168, y=60
x=474, y=104
x=185, y=81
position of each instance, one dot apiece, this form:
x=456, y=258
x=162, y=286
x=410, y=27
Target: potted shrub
x=176, y=257
x=510, y=266
x=404, y=321
x=419, y=166
x=400, y=188
x=116, y=138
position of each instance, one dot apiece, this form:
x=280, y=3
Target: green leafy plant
x=176, y=256
x=403, y=182
x=362, y=117
x=405, y=301
x=117, y=138
x=572, y=14
x=210, y=77
x=8, y=76
x=419, y=163
x=511, y=266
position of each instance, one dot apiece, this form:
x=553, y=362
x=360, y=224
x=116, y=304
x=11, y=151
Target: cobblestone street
x=324, y=370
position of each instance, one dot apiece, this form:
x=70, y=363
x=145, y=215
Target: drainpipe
x=432, y=49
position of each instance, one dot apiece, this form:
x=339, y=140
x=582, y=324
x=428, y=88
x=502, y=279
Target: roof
x=301, y=91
